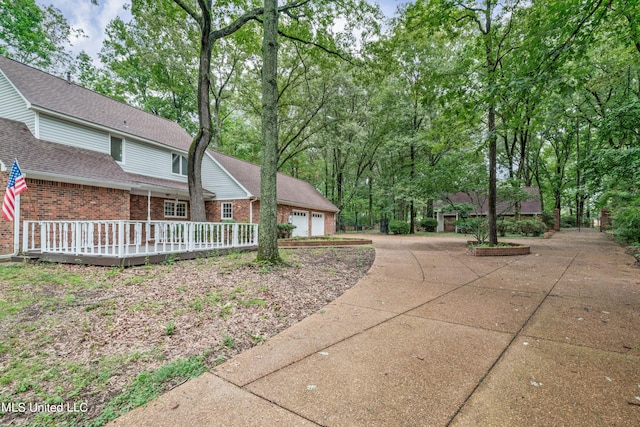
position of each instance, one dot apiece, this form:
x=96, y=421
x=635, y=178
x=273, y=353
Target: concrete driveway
x=432, y=337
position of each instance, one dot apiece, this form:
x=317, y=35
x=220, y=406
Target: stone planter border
x=320, y=241
x=510, y=250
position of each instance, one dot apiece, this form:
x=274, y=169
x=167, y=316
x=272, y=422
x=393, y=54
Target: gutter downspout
x=148, y=205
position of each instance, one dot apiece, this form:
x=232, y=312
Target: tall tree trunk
x=412, y=207
x=268, y=233
x=492, y=217
x=493, y=137
x=371, y=200
x=203, y=137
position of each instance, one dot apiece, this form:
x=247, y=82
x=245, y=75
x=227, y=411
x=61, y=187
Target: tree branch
x=251, y=16
x=189, y=11
x=318, y=45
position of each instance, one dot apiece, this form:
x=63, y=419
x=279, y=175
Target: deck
x=128, y=243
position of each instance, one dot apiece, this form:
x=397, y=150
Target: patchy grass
x=106, y=340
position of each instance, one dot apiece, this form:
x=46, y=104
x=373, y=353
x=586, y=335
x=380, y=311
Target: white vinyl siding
x=217, y=181
x=73, y=134
x=13, y=106
x=149, y=160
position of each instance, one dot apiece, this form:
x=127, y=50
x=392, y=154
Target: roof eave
x=87, y=123
x=47, y=176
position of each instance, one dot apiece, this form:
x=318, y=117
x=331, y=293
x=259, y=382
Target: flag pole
x=16, y=227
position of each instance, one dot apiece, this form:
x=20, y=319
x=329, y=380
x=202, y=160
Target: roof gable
x=38, y=156
x=290, y=190
x=56, y=95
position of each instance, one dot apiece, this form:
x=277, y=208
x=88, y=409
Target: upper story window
x=179, y=164
x=117, y=147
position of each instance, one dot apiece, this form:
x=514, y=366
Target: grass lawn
x=81, y=345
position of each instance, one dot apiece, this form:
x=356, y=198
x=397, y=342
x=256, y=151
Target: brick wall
x=49, y=200
x=285, y=210
x=63, y=201
x=139, y=206
x=605, y=220
x=242, y=209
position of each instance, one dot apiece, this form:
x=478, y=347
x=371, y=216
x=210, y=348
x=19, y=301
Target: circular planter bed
x=321, y=241
x=503, y=249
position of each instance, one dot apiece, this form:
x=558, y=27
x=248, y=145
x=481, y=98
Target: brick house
x=89, y=157
x=530, y=207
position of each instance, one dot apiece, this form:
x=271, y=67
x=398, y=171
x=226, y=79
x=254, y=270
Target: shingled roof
x=530, y=206
x=51, y=93
x=43, y=157
x=293, y=191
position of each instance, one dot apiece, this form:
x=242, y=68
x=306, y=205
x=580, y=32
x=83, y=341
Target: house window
x=227, y=210
x=175, y=209
x=116, y=148
x=179, y=164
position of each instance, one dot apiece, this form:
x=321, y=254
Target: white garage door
x=301, y=220
x=317, y=224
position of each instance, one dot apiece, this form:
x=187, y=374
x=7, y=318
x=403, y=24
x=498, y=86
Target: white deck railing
x=127, y=238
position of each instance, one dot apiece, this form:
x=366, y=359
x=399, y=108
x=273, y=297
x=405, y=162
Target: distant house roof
x=531, y=206
x=51, y=159
x=293, y=191
x=47, y=92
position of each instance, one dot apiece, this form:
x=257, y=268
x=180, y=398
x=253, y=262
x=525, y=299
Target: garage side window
x=227, y=210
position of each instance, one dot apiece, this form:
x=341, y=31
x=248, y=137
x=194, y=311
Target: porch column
x=16, y=227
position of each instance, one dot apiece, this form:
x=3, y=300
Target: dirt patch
x=84, y=334
x=635, y=252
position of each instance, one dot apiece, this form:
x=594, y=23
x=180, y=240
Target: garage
x=301, y=220
x=317, y=224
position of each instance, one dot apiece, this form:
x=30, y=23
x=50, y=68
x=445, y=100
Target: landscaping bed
x=105, y=340
x=297, y=242
x=502, y=249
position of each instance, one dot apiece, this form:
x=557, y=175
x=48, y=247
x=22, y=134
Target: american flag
x=15, y=186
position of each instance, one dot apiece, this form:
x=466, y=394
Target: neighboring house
x=447, y=217
x=89, y=157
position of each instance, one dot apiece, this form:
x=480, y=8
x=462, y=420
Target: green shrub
x=530, y=226
x=626, y=224
x=505, y=225
x=568, y=221
x=285, y=230
x=398, y=227
x=548, y=218
x=429, y=224
x=478, y=227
